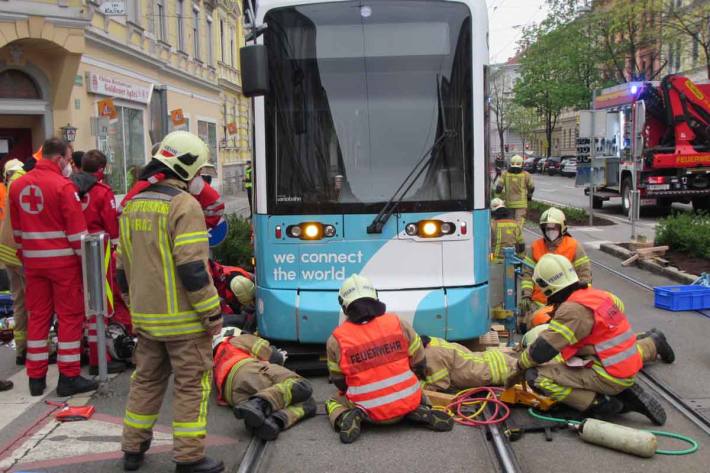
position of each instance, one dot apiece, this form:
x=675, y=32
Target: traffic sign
x=218, y=233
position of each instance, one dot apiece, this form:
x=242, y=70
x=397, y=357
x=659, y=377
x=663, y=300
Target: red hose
x=473, y=397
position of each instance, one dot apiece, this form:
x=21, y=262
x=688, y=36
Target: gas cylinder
x=618, y=437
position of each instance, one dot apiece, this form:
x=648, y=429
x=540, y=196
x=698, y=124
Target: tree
x=501, y=100
x=524, y=121
x=693, y=22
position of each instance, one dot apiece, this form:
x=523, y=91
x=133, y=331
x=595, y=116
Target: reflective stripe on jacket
x=567, y=248
x=247, y=177
x=8, y=247
x=46, y=218
x=227, y=360
x=612, y=338
x=375, y=361
x=506, y=233
x=515, y=189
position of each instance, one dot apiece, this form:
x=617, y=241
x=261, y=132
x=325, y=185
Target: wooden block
x=498, y=327
x=630, y=260
x=635, y=245
x=439, y=399
x=652, y=250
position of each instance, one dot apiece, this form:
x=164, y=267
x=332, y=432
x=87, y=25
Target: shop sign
x=107, y=109
x=232, y=128
x=106, y=85
x=113, y=8
x=177, y=117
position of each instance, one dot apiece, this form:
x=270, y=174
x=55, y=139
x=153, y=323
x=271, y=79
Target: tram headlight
x=311, y=231
x=447, y=228
x=429, y=228
x=411, y=229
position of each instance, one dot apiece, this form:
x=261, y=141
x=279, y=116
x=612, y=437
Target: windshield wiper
x=381, y=218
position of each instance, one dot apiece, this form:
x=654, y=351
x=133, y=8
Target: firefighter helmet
x=243, y=288
x=554, y=273
x=354, y=288
x=516, y=161
x=12, y=166
x=119, y=343
x=497, y=204
x=224, y=333
x=554, y=216
x=184, y=153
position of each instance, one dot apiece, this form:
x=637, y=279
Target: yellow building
x=164, y=65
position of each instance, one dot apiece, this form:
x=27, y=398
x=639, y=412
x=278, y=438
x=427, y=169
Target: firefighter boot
x=663, y=348
x=20, y=358
x=206, y=465
x=349, y=425
x=132, y=461
x=635, y=399
x=112, y=367
x=68, y=386
x=275, y=423
x=37, y=386
x=605, y=406
x=253, y=411
x=431, y=418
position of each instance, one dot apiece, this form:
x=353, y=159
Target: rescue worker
x=99, y=206
x=517, y=188
x=48, y=225
x=597, y=344
x=250, y=377
x=505, y=232
x=162, y=270
x=248, y=185
x=557, y=240
x=76, y=161
x=453, y=367
x=236, y=290
x=372, y=360
x=8, y=256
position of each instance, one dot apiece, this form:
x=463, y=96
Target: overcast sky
x=504, y=16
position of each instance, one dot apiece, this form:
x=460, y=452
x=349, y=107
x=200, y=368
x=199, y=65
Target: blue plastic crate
x=682, y=297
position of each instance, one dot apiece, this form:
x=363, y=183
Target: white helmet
x=354, y=288
x=12, y=166
x=244, y=289
x=184, y=153
x=226, y=332
x=553, y=273
x=496, y=204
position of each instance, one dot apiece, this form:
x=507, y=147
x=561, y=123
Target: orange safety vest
x=227, y=360
x=612, y=337
x=567, y=248
x=3, y=201
x=375, y=361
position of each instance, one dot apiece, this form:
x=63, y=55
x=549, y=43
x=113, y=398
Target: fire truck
x=657, y=137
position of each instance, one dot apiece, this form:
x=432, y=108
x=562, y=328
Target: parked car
x=553, y=165
x=569, y=168
x=529, y=164
x=540, y=166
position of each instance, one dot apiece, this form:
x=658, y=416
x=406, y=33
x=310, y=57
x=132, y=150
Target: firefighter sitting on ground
x=453, y=367
x=250, y=377
x=505, y=232
x=517, y=188
x=372, y=359
x=557, y=240
x=597, y=344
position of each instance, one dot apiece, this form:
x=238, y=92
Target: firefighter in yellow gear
x=8, y=256
x=556, y=240
x=453, y=367
x=505, y=232
x=517, y=188
x=588, y=356
x=250, y=377
x=163, y=276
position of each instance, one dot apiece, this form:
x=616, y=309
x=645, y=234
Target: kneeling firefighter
x=596, y=341
x=372, y=360
x=250, y=377
x=451, y=366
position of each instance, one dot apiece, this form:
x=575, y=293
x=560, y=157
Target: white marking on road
x=586, y=229
x=596, y=244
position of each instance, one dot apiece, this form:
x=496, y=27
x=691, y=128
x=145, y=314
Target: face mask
x=552, y=235
x=66, y=170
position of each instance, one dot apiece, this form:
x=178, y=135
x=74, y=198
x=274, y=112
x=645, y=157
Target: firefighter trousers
x=56, y=290
x=19, y=312
x=577, y=387
x=519, y=215
x=190, y=361
x=272, y=383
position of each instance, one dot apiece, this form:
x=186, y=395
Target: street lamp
x=69, y=133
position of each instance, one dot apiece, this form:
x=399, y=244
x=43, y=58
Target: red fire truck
x=673, y=160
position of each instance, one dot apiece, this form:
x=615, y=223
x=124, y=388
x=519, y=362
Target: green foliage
x=523, y=121
x=685, y=232
x=237, y=249
x=573, y=214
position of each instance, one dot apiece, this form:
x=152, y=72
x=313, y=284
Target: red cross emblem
x=31, y=199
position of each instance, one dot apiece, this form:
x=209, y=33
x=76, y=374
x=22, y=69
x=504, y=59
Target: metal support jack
x=513, y=269
x=93, y=265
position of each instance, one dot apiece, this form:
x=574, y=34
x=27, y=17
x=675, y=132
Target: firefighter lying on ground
x=453, y=367
x=250, y=377
x=596, y=342
x=556, y=240
x=372, y=360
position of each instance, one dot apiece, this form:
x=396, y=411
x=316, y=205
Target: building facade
x=119, y=83
x=502, y=80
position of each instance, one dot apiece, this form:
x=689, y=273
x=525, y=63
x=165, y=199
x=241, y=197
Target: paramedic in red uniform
x=99, y=205
x=48, y=225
